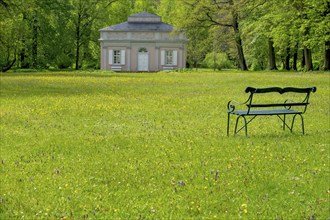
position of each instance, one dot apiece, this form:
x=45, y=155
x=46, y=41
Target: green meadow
x=103, y=145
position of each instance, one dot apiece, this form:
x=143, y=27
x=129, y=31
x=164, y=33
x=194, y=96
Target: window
x=116, y=57
x=143, y=50
x=168, y=57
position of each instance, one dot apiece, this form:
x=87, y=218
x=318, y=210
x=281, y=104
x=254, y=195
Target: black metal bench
x=280, y=109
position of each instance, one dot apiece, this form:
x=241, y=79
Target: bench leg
x=228, y=120
x=302, y=123
x=245, y=124
x=284, y=122
x=235, y=132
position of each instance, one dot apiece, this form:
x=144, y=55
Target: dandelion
x=244, y=208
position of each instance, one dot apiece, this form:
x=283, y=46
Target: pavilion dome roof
x=143, y=21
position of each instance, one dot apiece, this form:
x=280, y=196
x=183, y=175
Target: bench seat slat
x=278, y=104
x=266, y=112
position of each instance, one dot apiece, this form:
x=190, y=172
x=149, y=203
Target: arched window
x=143, y=50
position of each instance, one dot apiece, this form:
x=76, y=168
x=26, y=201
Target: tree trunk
x=35, y=41
x=78, y=41
x=77, y=53
x=303, y=59
x=295, y=58
x=22, y=55
x=287, y=59
x=78, y=33
x=9, y=65
x=271, y=55
x=238, y=41
x=327, y=56
x=308, y=59
x=22, y=58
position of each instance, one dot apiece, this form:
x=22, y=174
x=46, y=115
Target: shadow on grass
x=271, y=135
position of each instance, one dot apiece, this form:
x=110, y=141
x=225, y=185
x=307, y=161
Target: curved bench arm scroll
x=288, y=101
x=232, y=105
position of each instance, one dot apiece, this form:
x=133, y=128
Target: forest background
x=244, y=34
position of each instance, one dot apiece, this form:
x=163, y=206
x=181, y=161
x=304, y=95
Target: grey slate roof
x=143, y=14
x=141, y=26
x=129, y=26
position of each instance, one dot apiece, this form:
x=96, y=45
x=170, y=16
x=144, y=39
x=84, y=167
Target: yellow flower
x=244, y=208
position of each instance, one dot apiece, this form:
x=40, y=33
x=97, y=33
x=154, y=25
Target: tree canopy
x=249, y=34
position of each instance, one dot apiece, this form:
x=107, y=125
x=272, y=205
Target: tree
x=32, y=18
x=271, y=55
x=168, y=10
x=197, y=34
x=10, y=27
x=327, y=56
x=306, y=25
x=220, y=13
x=198, y=46
x=64, y=33
x=146, y=5
x=59, y=47
x=85, y=12
x=318, y=13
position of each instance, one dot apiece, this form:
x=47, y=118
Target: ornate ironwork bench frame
x=288, y=107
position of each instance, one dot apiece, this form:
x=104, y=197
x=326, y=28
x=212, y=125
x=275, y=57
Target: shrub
x=218, y=61
x=64, y=61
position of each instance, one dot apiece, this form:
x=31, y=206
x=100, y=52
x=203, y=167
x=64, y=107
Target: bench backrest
x=281, y=90
x=287, y=103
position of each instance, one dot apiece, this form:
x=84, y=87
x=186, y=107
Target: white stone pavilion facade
x=143, y=43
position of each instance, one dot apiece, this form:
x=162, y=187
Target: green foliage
x=257, y=56
x=104, y=145
x=10, y=35
x=218, y=61
x=63, y=61
x=63, y=33
x=145, y=5
x=213, y=16
x=168, y=10
x=291, y=25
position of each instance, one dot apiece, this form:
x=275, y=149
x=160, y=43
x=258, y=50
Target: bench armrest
x=232, y=105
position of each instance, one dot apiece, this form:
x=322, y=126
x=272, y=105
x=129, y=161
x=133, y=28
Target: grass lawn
x=104, y=145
